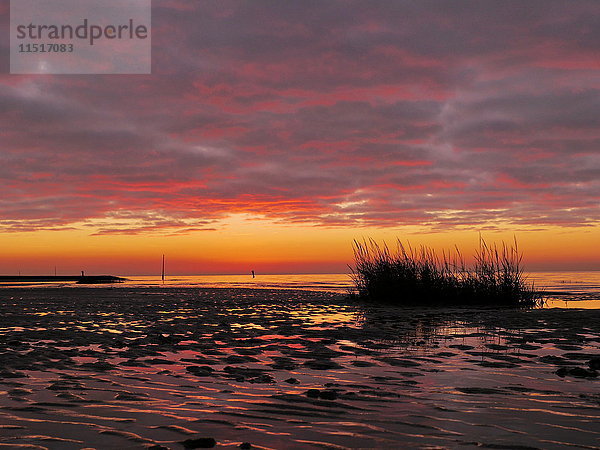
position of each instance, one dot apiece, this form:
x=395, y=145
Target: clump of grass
x=421, y=277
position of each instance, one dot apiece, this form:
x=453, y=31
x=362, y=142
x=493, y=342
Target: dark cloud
x=350, y=113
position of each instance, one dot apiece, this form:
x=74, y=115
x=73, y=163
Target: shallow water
x=564, y=289
x=130, y=367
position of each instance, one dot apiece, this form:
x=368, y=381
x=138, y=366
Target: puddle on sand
x=128, y=368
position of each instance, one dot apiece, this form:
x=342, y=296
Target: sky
x=271, y=134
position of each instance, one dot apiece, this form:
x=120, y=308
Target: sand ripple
x=142, y=367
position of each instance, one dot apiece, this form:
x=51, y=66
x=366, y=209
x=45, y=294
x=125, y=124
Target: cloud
x=440, y=114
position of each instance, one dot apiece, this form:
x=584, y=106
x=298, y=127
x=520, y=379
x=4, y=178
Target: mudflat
x=119, y=368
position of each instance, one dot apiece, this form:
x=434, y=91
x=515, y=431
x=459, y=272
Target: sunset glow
x=270, y=135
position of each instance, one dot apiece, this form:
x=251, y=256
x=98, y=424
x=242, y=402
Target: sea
x=566, y=289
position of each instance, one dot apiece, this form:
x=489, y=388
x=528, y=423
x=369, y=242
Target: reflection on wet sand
x=135, y=367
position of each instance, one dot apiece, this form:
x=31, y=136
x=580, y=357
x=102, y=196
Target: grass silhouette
x=420, y=277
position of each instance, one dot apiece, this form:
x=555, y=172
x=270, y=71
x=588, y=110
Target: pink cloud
x=400, y=113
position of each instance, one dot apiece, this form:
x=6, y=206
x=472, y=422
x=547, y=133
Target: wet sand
x=141, y=367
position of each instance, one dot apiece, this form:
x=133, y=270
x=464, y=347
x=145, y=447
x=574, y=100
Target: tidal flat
x=134, y=367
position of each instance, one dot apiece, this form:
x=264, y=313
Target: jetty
x=86, y=279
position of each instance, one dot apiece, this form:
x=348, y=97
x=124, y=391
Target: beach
x=152, y=367
x=300, y=225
